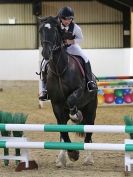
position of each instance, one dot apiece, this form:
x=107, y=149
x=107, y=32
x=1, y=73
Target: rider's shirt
x=75, y=49
x=75, y=30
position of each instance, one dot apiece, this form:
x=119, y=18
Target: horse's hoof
x=61, y=160
x=77, y=118
x=73, y=155
x=88, y=162
x=60, y=164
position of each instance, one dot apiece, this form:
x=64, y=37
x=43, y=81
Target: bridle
x=55, y=48
x=54, y=45
x=57, y=45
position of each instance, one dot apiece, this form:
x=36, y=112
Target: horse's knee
x=71, y=101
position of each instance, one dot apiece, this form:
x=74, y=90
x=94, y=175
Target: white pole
x=25, y=145
x=105, y=128
x=25, y=127
x=103, y=146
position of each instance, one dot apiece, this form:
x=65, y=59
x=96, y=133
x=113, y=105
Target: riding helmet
x=66, y=12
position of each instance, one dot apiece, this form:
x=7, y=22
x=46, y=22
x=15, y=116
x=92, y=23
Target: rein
x=54, y=49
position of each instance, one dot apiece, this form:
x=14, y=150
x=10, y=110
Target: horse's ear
x=57, y=22
x=56, y=18
x=42, y=19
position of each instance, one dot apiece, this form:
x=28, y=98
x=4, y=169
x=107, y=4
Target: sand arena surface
x=22, y=96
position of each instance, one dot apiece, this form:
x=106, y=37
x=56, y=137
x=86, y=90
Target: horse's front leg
x=62, y=116
x=75, y=114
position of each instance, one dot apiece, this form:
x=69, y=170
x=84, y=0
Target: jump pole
x=68, y=146
x=67, y=128
x=115, y=77
x=121, y=83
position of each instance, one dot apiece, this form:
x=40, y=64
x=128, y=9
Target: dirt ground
x=22, y=96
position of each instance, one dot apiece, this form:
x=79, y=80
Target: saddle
x=80, y=62
x=45, y=64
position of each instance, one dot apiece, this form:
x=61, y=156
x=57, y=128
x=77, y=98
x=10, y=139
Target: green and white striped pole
x=67, y=128
x=67, y=146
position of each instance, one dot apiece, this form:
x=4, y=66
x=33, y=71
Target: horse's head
x=49, y=35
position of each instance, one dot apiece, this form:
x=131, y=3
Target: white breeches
x=75, y=49
x=42, y=85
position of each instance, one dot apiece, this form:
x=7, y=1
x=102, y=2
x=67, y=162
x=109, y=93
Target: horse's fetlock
x=73, y=110
x=77, y=118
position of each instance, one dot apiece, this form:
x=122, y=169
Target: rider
x=66, y=16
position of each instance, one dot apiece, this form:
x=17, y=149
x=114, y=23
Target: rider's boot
x=44, y=94
x=91, y=83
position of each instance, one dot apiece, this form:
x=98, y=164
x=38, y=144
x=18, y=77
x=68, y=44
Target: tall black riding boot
x=91, y=82
x=44, y=94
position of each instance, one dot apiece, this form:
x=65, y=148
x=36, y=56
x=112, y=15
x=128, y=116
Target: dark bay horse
x=66, y=84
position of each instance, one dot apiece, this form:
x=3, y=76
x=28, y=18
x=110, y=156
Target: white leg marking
x=89, y=158
x=61, y=159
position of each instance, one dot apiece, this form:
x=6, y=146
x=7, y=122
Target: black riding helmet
x=66, y=13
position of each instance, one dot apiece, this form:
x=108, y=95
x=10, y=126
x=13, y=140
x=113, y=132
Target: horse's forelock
x=42, y=19
x=51, y=20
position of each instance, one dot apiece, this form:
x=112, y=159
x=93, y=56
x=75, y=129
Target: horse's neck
x=60, y=61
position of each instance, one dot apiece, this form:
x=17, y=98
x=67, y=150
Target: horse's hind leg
x=88, y=159
x=61, y=159
x=89, y=114
x=72, y=154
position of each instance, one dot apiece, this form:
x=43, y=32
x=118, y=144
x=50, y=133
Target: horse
x=66, y=86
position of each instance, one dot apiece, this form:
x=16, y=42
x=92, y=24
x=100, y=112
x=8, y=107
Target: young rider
x=66, y=16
